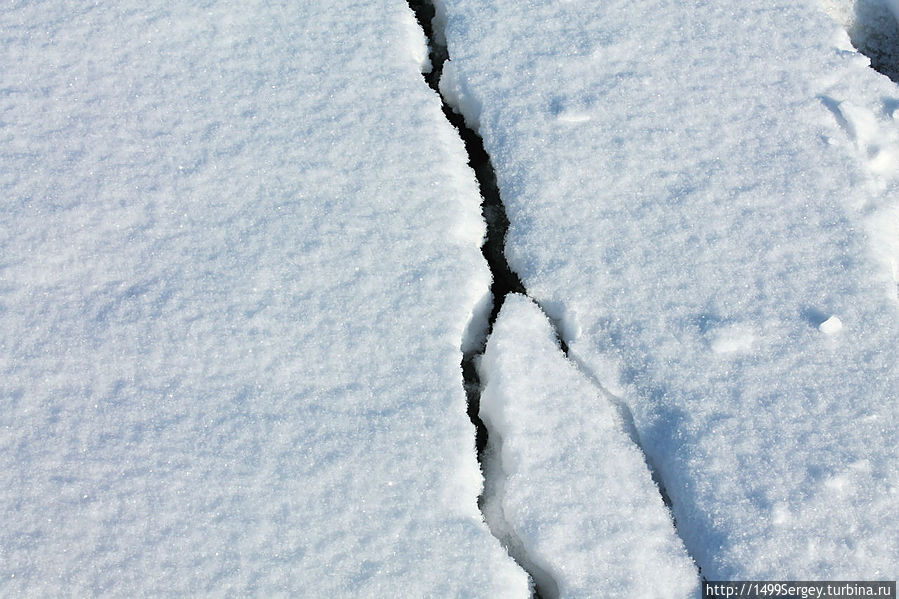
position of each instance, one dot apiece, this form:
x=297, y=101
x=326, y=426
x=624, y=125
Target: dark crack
x=505, y=281
x=874, y=32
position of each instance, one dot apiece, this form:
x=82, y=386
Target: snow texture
x=570, y=491
x=239, y=253
x=698, y=194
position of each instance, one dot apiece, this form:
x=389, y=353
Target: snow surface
x=239, y=254
x=239, y=264
x=567, y=488
x=698, y=193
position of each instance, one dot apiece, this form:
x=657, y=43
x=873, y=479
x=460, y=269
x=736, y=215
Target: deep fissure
x=504, y=279
x=874, y=31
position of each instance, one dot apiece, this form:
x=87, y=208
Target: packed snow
x=704, y=197
x=239, y=259
x=240, y=265
x=571, y=496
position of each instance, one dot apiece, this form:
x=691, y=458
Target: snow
x=569, y=491
x=702, y=195
x=239, y=267
x=831, y=326
x=239, y=258
x=873, y=26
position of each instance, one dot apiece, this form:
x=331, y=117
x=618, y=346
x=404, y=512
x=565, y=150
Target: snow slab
x=569, y=488
x=694, y=189
x=239, y=253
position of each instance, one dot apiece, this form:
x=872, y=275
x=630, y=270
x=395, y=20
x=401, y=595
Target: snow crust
x=568, y=490
x=239, y=251
x=699, y=193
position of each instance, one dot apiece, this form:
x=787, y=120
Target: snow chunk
x=567, y=488
x=831, y=326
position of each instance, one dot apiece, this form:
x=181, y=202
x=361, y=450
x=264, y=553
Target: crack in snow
x=873, y=28
x=505, y=281
x=630, y=427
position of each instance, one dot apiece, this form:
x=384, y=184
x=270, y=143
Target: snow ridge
x=505, y=281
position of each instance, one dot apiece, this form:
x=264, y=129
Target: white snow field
x=703, y=196
x=239, y=253
x=570, y=494
x=239, y=265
